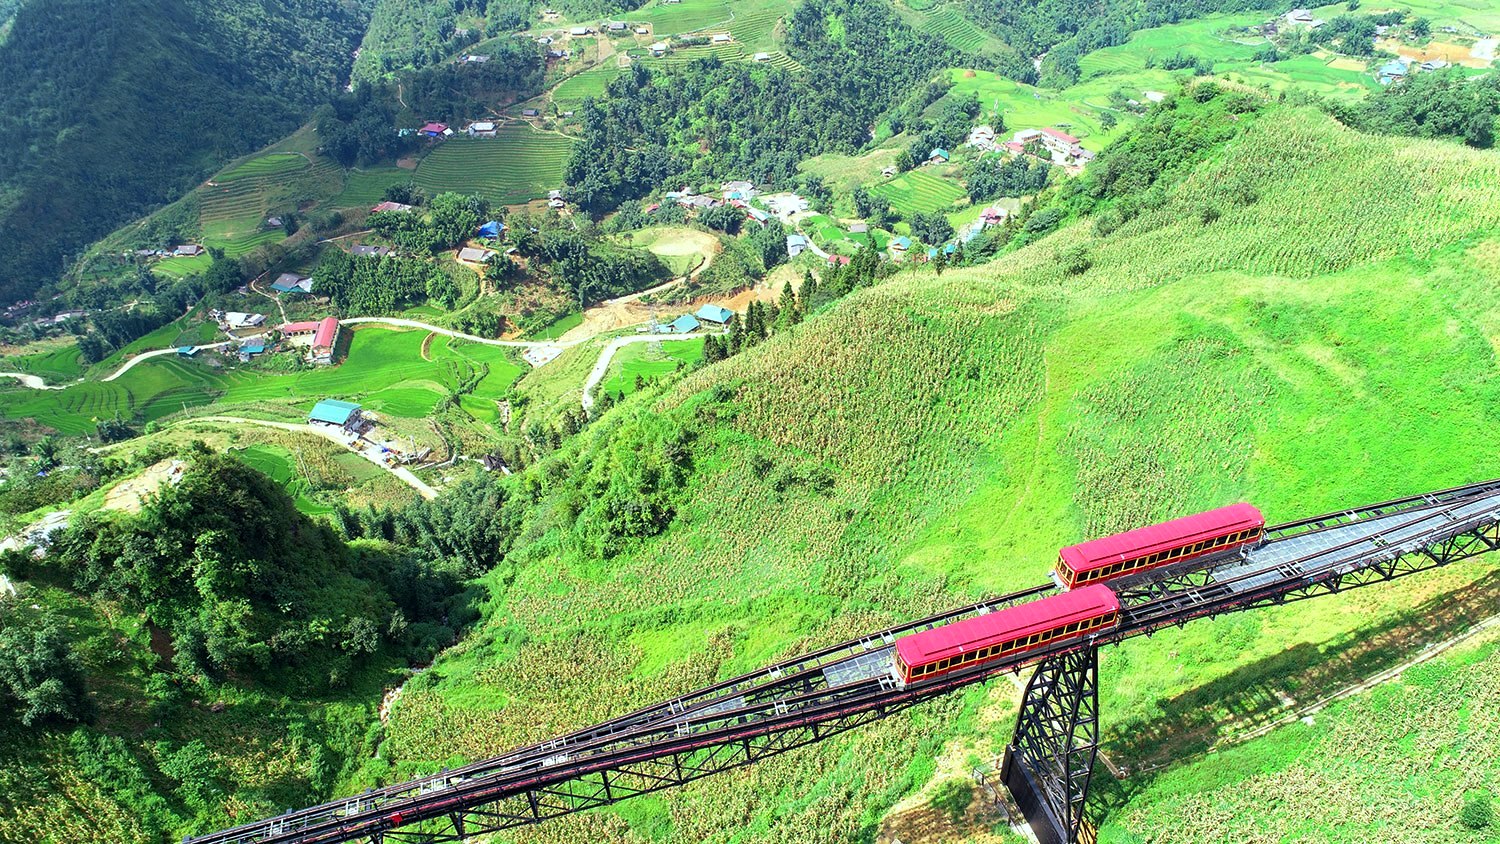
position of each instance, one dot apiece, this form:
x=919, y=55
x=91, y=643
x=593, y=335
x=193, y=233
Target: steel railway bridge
x=795, y=703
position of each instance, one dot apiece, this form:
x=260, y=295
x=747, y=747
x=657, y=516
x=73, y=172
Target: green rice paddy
x=920, y=191
x=384, y=371
x=520, y=165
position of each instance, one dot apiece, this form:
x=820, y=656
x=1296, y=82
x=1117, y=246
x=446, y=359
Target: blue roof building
x=252, y=348
x=715, y=314
x=937, y=154
x=187, y=351
x=683, y=325
x=333, y=412
x=491, y=230
x=1391, y=71
x=901, y=243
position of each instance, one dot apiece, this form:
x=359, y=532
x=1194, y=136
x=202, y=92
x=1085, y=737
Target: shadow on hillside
x=1263, y=691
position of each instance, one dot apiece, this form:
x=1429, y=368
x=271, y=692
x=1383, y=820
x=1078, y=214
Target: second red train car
x=1159, y=545
x=952, y=647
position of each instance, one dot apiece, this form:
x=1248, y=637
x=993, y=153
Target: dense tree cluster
x=580, y=262
x=448, y=220
x=38, y=671
x=987, y=178
x=242, y=581
x=1432, y=105
x=710, y=121
x=166, y=104
x=371, y=285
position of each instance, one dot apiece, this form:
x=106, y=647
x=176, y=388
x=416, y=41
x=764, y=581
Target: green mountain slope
x=103, y=116
x=935, y=439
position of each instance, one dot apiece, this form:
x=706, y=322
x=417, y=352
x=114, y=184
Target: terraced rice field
x=687, y=16
x=784, y=62
x=731, y=52
x=920, y=192
x=520, y=165
x=590, y=83
x=364, y=188
x=756, y=27
x=953, y=27
x=235, y=203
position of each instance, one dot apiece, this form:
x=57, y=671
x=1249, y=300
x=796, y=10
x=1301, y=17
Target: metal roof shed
x=333, y=412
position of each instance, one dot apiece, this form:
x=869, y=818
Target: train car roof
x=1150, y=539
x=971, y=634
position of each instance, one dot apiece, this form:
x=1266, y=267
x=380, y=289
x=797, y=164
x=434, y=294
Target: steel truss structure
x=795, y=703
x=1050, y=759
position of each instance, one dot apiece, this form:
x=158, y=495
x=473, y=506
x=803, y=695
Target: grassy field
x=520, y=165
x=948, y=23
x=1419, y=742
x=365, y=188
x=928, y=441
x=384, y=371
x=754, y=23
x=643, y=361
x=1202, y=38
x=682, y=249
x=1075, y=110
x=590, y=83
x=920, y=191
x=559, y=327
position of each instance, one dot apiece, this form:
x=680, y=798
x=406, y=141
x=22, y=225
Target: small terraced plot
x=920, y=192
x=520, y=165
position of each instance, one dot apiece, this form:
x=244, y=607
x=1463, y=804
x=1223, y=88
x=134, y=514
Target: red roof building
x=838, y=260
x=1148, y=540
x=292, y=329
x=1006, y=625
x=432, y=130
x=1064, y=137
x=327, y=334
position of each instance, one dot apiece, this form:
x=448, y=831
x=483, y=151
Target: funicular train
x=1087, y=606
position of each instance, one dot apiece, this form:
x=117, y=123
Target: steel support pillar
x=1051, y=756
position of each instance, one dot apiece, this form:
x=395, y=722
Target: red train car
x=942, y=650
x=1158, y=545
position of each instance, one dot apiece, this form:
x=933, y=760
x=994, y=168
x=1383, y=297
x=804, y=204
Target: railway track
x=808, y=698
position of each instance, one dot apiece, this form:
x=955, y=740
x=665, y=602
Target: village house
x=889, y=172
x=292, y=283
x=482, y=129
x=581, y=30
x=1392, y=71
x=1059, y=142
x=397, y=207
x=435, y=130
x=643, y=30
x=784, y=205
x=722, y=38
x=795, y=243
x=530, y=112
x=762, y=57
x=859, y=228
x=899, y=245
x=616, y=26
x=982, y=137
x=716, y=314
x=367, y=251
x=472, y=59
x=682, y=325
x=188, y=250
x=739, y=190
x=937, y=156
x=757, y=215
x=545, y=40
x=236, y=320
x=1153, y=96
x=658, y=49
x=475, y=255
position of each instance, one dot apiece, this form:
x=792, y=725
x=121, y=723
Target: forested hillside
x=103, y=116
